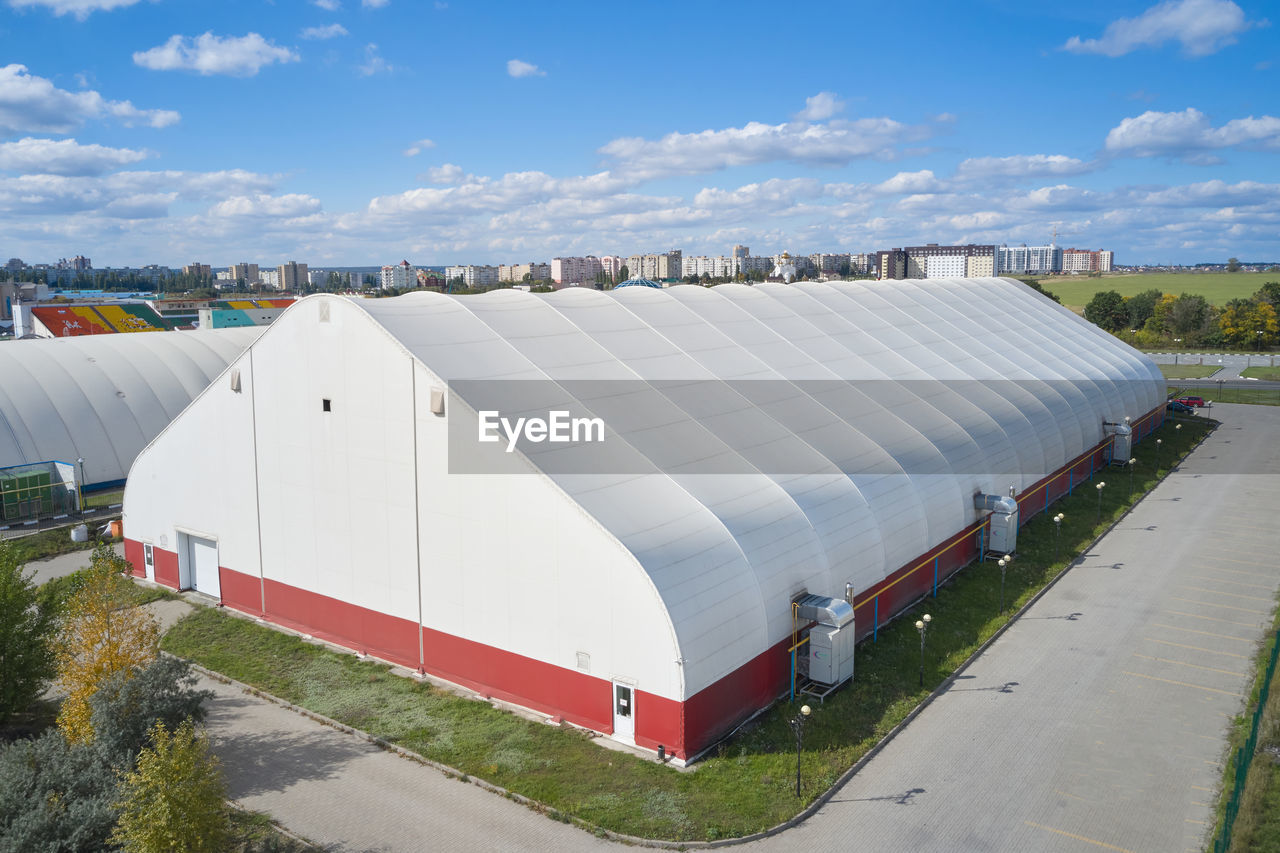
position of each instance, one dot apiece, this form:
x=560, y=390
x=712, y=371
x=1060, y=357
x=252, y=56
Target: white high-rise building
x=399, y=276
x=292, y=277
x=473, y=276
x=1031, y=260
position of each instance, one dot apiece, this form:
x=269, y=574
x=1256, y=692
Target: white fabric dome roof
x=848, y=482
x=104, y=397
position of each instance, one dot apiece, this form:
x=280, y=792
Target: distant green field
x=1076, y=291
x=1188, y=371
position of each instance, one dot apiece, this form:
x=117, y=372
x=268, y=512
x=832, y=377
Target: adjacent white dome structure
x=378, y=476
x=101, y=398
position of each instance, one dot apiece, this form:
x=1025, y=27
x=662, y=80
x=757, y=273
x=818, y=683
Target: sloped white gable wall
x=511, y=561
x=198, y=475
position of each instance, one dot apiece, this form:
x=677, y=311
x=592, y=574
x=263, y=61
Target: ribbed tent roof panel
x=858, y=419
x=103, y=397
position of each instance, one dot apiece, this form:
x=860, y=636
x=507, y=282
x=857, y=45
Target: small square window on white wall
x=584, y=661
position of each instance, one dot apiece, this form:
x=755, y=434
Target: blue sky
x=351, y=132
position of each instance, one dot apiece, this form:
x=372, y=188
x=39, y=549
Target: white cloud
x=64, y=157
x=773, y=195
x=80, y=8
x=33, y=104
x=447, y=174
x=238, y=56
x=1021, y=166
x=327, y=5
x=519, y=68
x=418, y=147
x=374, y=4
x=922, y=181
x=1202, y=27
x=48, y=194
x=1188, y=135
x=373, y=62
x=833, y=144
x=820, y=107
x=263, y=205
x=327, y=32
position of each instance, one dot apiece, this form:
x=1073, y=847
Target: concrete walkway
x=64, y=564
x=348, y=795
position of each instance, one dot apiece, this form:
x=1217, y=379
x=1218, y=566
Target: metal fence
x=1244, y=755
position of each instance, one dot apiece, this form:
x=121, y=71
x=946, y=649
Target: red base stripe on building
x=682, y=728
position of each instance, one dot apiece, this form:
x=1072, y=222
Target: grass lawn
x=1270, y=374
x=1188, y=371
x=1257, y=823
x=46, y=543
x=1218, y=288
x=747, y=784
x=253, y=832
x=92, y=500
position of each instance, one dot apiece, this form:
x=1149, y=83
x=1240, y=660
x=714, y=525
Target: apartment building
x=668, y=265
x=198, y=269
x=1029, y=260
x=1086, y=260
x=398, y=276
x=575, y=270
x=246, y=272
x=934, y=261
x=473, y=275
x=517, y=272
x=292, y=277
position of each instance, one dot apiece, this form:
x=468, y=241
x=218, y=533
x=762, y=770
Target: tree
x=1248, y=324
x=1269, y=293
x=1107, y=310
x=623, y=273
x=103, y=635
x=1233, y=265
x=126, y=708
x=27, y=625
x=1142, y=307
x=55, y=796
x=1035, y=285
x=176, y=798
x=1188, y=314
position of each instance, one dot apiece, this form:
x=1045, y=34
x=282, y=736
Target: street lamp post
x=1133, y=460
x=1175, y=355
x=1100, y=487
x=1057, y=535
x=80, y=491
x=1158, y=443
x=922, y=625
x=1003, y=563
x=797, y=725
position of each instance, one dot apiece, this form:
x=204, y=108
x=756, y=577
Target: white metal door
x=204, y=566
x=624, y=708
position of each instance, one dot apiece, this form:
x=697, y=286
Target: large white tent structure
x=761, y=443
x=101, y=398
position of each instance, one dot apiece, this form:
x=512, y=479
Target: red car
x=1198, y=402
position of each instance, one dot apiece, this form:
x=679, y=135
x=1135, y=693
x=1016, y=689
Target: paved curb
x=820, y=801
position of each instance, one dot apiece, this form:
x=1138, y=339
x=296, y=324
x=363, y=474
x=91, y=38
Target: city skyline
x=161, y=132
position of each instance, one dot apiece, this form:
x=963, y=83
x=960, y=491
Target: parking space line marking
x=1183, y=684
x=1202, y=788
x=1193, y=665
x=1268, y=587
x=1215, y=619
x=1196, y=648
x=1092, y=841
x=1240, y=572
x=1074, y=796
x=1231, y=594
x=1257, y=613
x=1205, y=633
x=1189, y=820
x=1242, y=562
